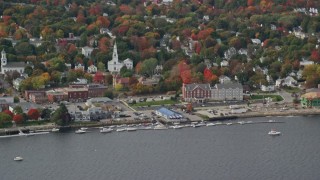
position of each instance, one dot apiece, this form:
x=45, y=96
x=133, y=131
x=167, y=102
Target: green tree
x=17, y=110
x=148, y=66
x=61, y=116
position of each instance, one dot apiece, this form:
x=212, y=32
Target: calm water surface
x=217, y=152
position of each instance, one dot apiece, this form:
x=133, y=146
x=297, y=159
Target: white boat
x=84, y=128
x=228, y=124
x=18, y=158
x=187, y=125
x=274, y=133
x=131, y=129
x=249, y=122
x=120, y=130
x=241, y=122
x=160, y=127
x=177, y=127
x=146, y=128
x=106, y=130
x=218, y=123
x=211, y=124
x=271, y=121
x=80, y=131
x=55, y=130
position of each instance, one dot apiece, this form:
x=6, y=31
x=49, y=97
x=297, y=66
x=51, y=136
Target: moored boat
x=55, y=130
x=211, y=124
x=177, y=127
x=131, y=129
x=80, y=131
x=120, y=130
x=274, y=132
x=160, y=127
x=106, y=130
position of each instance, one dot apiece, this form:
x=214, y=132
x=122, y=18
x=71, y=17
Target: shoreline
x=251, y=114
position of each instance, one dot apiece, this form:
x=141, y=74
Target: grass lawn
x=274, y=98
x=292, y=89
x=155, y=103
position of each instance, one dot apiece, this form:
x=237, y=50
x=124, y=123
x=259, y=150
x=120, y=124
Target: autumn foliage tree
x=185, y=72
x=18, y=118
x=209, y=76
x=8, y=112
x=33, y=114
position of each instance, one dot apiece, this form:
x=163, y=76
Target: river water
x=216, y=152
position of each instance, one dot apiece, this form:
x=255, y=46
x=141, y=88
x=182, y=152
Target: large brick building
x=204, y=92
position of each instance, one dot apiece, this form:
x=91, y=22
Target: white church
x=114, y=66
x=11, y=66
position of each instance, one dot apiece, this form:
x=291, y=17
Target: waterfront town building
x=219, y=92
x=114, y=66
x=10, y=66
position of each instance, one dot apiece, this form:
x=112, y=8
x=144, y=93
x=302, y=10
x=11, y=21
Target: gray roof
x=229, y=86
x=15, y=65
x=190, y=87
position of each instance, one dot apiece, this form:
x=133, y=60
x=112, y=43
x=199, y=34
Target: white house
x=288, y=81
x=11, y=66
x=92, y=69
x=224, y=63
x=268, y=88
x=16, y=83
x=86, y=51
x=128, y=63
x=224, y=79
x=256, y=41
x=79, y=66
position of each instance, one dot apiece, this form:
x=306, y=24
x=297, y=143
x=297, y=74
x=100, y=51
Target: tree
x=45, y=113
x=61, y=116
x=18, y=118
x=4, y=118
x=98, y=77
x=33, y=114
x=148, y=66
x=17, y=110
x=16, y=99
x=8, y=112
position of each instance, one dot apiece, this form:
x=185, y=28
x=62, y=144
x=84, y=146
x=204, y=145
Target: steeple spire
x=115, y=53
x=3, y=58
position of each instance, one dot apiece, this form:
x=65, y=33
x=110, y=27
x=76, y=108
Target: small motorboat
x=55, y=130
x=241, y=122
x=84, y=128
x=160, y=127
x=106, y=130
x=211, y=124
x=131, y=129
x=120, y=130
x=18, y=158
x=228, y=124
x=274, y=132
x=177, y=127
x=80, y=131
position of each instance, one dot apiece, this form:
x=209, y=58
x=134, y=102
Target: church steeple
x=115, y=53
x=3, y=58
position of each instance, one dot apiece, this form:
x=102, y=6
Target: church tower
x=115, y=53
x=3, y=58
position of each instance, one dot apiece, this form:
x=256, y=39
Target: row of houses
x=73, y=93
x=204, y=92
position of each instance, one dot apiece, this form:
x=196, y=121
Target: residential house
x=224, y=79
x=35, y=41
x=92, y=69
x=268, y=88
x=148, y=81
x=71, y=39
x=38, y=97
x=128, y=63
x=224, y=63
x=288, y=81
x=119, y=80
x=79, y=66
x=273, y=27
x=86, y=51
x=16, y=83
x=256, y=41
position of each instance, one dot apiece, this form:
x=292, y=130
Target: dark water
x=218, y=152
